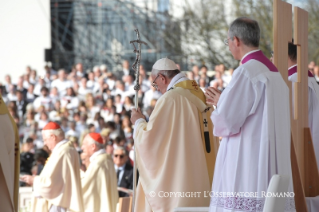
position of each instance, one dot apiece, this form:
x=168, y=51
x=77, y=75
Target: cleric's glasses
x=153, y=83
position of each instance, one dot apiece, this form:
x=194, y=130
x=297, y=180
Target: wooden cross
x=303, y=161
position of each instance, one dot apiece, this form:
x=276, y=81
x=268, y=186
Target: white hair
x=92, y=141
x=103, y=67
x=61, y=70
x=121, y=148
x=96, y=68
x=58, y=132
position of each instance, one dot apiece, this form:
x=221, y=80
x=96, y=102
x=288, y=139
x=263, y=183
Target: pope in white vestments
x=313, y=97
x=253, y=118
x=175, y=151
x=9, y=161
x=99, y=182
x=58, y=188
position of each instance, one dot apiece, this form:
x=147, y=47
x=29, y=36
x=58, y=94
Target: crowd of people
x=82, y=102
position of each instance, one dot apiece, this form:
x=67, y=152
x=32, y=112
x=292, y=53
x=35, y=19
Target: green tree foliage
x=313, y=29
x=204, y=28
x=262, y=12
x=205, y=25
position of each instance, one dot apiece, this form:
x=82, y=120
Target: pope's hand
x=212, y=96
x=136, y=114
x=28, y=179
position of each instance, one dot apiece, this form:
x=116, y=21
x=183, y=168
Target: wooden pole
x=303, y=161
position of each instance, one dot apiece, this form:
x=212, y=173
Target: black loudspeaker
x=48, y=55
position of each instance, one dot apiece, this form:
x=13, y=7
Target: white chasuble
x=59, y=183
x=253, y=117
x=99, y=185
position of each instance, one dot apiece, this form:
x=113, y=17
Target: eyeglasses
x=226, y=41
x=121, y=156
x=153, y=83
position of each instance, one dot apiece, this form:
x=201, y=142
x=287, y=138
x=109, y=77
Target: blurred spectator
x=118, y=103
x=75, y=141
x=12, y=93
x=92, y=109
x=70, y=100
x=30, y=96
x=21, y=104
x=218, y=82
x=33, y=77
x=124, y=170
x=125, y=71
x=105, y=134
x=61, y=83
x=128, y=103
x=26, y=81
x=150, y=95
x=202, y=84
x=79, y=70
x=109, y=147
x=92, y=82
x=195, y=71
x=127, y=127
x=91, y=128
x=311, y=65
x=20, y=86
x=54, y=94
x=226, y=78
x=38, y=86
x=65, y=124
x=43, y=100
x=27, y=157
x=40, y=157
x=72, y=132
x=56, y=113
x=316, y=73
x=44, y=120
x=8, y=83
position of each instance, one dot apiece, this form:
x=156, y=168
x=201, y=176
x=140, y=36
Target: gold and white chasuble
x=59, y=183
x=9, y=161
x=99, y=185
x=175, y=162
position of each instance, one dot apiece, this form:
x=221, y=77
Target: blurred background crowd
x=84, y=101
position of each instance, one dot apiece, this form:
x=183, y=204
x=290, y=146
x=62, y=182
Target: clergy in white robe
x=313, y=97
x=58, y=188
x=175, y=154
x=9, y=161
x=253, y=118
x=99, y=183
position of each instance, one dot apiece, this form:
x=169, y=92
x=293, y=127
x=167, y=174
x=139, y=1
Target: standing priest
x=313, y=97
x=175, y=149
x=9, y=161
x=58, y=188
x=99, y=181
x=253, y=118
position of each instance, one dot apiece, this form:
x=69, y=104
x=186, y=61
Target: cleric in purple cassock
x=253, y=117
x=313, y=97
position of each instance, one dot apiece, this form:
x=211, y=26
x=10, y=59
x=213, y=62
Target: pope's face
x=159, y=82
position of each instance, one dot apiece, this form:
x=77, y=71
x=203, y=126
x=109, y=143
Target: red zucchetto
x=52, y=126
x=96, y=137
